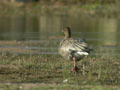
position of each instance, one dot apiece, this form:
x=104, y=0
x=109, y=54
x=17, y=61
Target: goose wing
x=78, y=46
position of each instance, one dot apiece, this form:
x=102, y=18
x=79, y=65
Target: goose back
x=70, y=48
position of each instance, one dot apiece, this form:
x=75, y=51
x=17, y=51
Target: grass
x=56, y=87
x=49, y=72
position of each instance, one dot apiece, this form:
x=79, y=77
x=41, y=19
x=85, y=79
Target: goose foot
x=75, y=69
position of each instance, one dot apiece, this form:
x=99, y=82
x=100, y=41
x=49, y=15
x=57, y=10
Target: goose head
x=67, y=32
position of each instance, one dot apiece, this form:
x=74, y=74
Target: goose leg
x=83, y=72
x=74, y=61
x=75, y=69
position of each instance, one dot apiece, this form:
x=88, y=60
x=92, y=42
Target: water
x=42, y=34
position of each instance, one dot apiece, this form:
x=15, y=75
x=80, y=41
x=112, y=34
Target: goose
x=73, y=49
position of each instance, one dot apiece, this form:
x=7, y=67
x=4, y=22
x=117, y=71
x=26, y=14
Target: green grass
x=52, y=70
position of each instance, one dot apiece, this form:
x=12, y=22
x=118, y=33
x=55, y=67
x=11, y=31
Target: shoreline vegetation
x=18, y=71
x=39, y=72
x=103, y=8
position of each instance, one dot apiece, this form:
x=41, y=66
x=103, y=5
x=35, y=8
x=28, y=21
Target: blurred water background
x=41, y=33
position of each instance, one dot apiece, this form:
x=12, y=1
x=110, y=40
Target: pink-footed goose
x=73, y=49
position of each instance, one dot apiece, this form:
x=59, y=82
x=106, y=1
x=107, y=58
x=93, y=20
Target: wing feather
x=78, y=45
